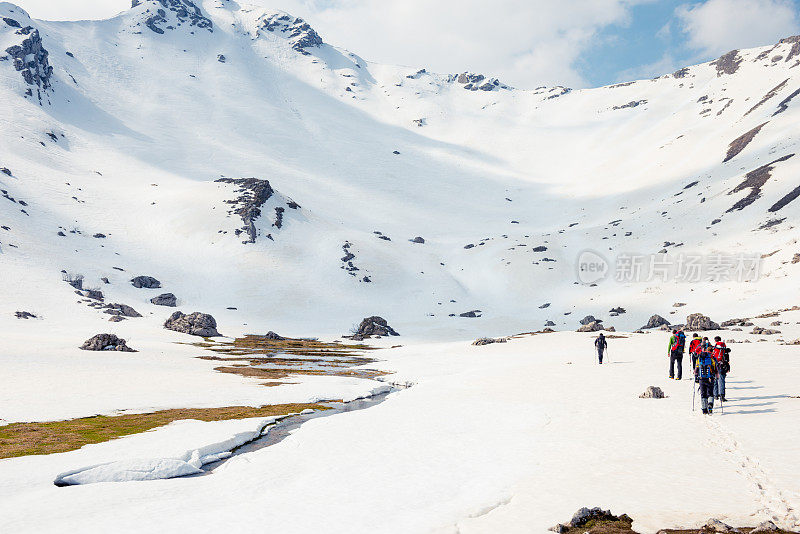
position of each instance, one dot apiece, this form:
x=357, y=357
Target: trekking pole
x=694, y=391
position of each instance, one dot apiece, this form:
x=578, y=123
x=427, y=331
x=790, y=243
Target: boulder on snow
x=471, y=314
x=122, y=310
x=146, y=282
x=764, y=331
x=374, y=326
x=619, y=310
x=418, y=239
x=24, y=315
x=584, y=515
x=165, y=299
x=655, y=321
x=549, y=323
x=652, y=392
x=594, y=326
x=106, y=342
x=590, y=319
x=195, y=324
x=699, y=322
x=272, y=336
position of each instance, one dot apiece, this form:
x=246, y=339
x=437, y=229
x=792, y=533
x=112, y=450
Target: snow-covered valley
x=279, y=183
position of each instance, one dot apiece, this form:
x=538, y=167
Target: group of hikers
x=711, y=364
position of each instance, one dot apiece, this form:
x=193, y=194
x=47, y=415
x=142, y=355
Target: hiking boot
x=705, y=412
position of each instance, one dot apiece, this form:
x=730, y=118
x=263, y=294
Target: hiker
x=676, y=345
x=694, y=348
x=705, y=372
x=721, y=355
x=601, y=345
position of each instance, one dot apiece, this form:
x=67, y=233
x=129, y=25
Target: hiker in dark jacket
x=676, y=345
x=601, y=345
x=721, y=355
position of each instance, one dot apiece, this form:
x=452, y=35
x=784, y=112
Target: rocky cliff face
x=162, y=12
x=30, y=59
x=299, y=33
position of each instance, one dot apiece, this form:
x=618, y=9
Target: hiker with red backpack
x=721, y=355
x=676, y=345
x=694, y=348
x=705, y=373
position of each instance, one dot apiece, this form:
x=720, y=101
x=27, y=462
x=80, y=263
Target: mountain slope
x=123, y=128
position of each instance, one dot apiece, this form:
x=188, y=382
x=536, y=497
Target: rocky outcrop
x=183, y=11
x=297, y=31
x=728, y=63
x=24, y=315
x=655, y=321
x=195, y=324
x=374, y=326
x=418, y=239
x=254, y=193
x=699, y=322
x=478, y=82
x=106, y=342
x=590, y=319
x=652, y=392
x=165, y=299
x=593, y=326
x=754, y=180
x=146, y=282
x=30, y=59
x=472, y=314
x=272, y=336
x=764, y=331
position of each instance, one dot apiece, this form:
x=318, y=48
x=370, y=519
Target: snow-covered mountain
x=232, y=154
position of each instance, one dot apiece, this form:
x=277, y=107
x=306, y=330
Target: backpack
x=704, y=366
x=694, y=346
x=681, y=340
x=725, y=365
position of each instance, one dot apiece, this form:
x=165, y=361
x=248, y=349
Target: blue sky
x=525, y=43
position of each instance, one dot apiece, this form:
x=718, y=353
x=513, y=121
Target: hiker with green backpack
x=675, y=352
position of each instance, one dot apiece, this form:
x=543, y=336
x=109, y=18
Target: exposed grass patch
x=24, y=439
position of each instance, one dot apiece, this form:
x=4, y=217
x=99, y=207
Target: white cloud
x=525, y=43
x=717, y=26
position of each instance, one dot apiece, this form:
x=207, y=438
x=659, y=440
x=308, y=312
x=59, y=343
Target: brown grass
x=24, y=439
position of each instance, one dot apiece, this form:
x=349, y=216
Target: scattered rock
x=652, y=392
x=764, y=331
x=24, y=315
x=766, y=526
x=655, y=321
x=679, y=305
x=254, y=194
x=618, y=310
x=272, y=336
x=796, y=258
x=94, y=294
x=195, y=324
x=418, y=239
x=99, y=236
x=165, y=299
x=146, y=282
x=489, y=340
x=549, y=323
x=715, y=525
x=699, y=322
x=584, y=515
x=471, y=314
x=590, y=319
x=122, y=310
x=106, y=342
x=545, y=305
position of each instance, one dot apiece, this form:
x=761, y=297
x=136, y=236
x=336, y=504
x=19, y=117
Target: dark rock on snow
x=196, y=324
x=273, y=336
x=374, y=326
x=146, y=282
x=254, y=193
x=593, y=326
x=24, y=315
x=122, y=310
x=106, y=342
x=471, y=314
x=418, y=239
x=590, y=319
x=165, y=299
